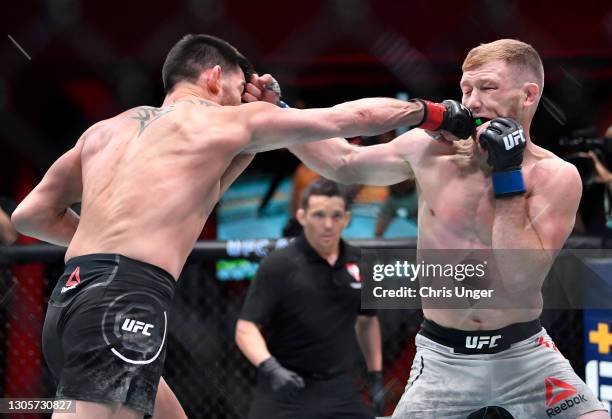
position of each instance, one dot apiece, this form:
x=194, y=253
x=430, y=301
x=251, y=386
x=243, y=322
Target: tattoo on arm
x=147, y=114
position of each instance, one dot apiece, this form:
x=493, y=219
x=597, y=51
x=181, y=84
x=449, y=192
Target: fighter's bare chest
x=461, y=207
x=456, y=204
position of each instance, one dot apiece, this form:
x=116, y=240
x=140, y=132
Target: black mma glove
x=449, y=115
x=505, y=142
x=376, y=390
x=283, y=382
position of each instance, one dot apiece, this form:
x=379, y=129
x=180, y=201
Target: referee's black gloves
x=376, y=390
x=283, y=382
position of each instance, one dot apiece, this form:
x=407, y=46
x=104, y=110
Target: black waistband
x=480, y=341
x=126, y=264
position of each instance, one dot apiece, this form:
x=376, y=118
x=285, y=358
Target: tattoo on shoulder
x=147, y=114
x=195, y=102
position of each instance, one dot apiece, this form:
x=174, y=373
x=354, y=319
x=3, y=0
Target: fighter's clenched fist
x=505, y=143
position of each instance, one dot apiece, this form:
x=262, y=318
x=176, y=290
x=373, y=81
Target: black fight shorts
x=105, y=333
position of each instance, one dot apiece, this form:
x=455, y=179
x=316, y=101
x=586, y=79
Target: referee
x=301, y=316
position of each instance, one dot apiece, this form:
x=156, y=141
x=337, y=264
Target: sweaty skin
x=457, y=209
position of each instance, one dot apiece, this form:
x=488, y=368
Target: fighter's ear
x=301, y=216
x=213, y=79
x=532, y=94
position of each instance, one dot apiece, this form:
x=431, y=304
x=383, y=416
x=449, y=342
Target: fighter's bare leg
x=595, y=415
x=167, y=405
x=90, y=410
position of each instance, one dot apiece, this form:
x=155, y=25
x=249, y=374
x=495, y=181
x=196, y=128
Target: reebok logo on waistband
x=478, y=342
x=73, y=281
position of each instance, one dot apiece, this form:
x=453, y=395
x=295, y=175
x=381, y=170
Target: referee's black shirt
x=307, y=308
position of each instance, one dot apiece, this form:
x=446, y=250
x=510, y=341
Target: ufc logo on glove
x=514, y=138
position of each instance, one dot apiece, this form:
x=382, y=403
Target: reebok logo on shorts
x=73, y=281
x=561, y=395
x=561, y=388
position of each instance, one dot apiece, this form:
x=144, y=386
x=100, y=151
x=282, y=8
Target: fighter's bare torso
x=151, y=177
x=456, y=204
x=457, y=210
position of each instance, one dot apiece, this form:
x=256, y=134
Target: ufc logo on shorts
x=514, y=138
x=478, y=342
x=134, y=326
